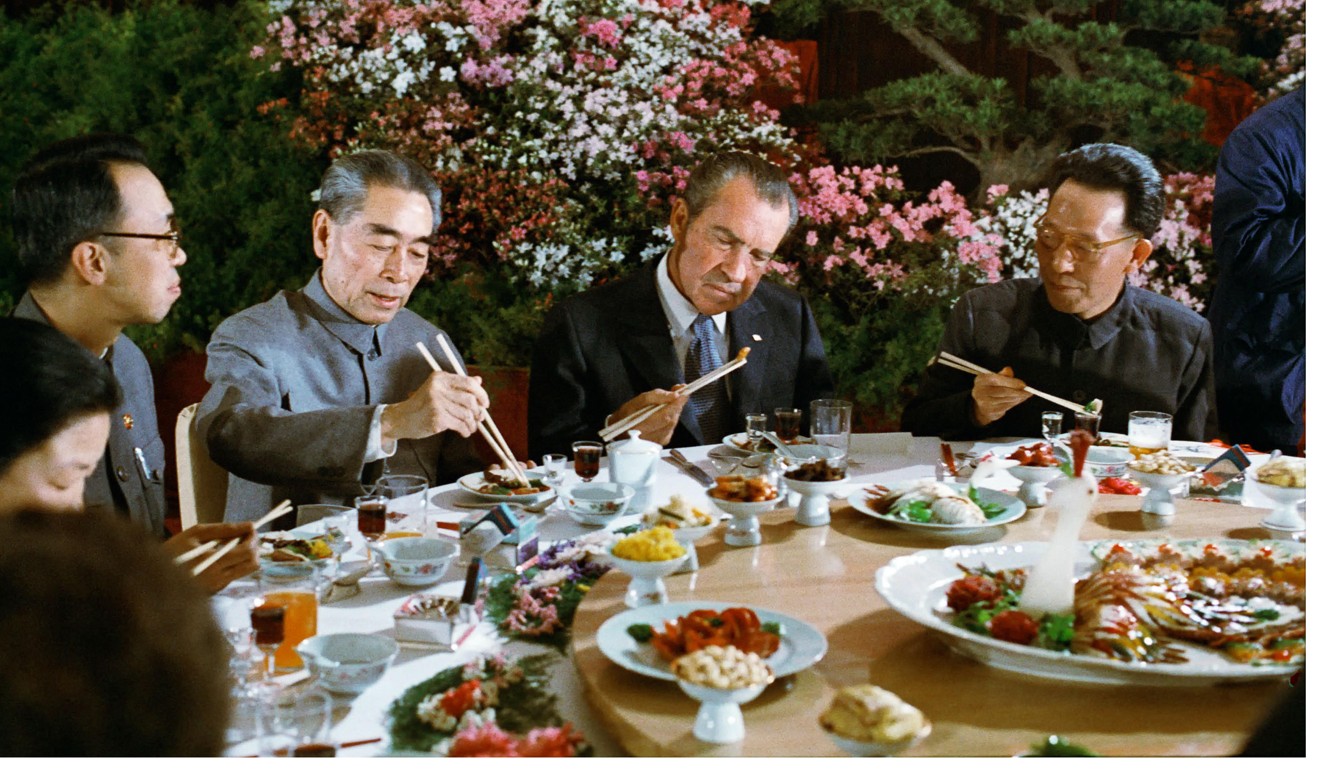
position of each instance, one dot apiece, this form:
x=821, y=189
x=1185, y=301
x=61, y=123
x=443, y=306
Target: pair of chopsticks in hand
x=954, y=362
x=229, y=545
x=610, y=432
x=489, y=430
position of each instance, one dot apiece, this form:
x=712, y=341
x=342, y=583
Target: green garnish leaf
x=642, y=632
x=1059, y=746
x=990, y=509
x=772, y=627
x=913, y=510
x=1267, y=613
x=1056, y=631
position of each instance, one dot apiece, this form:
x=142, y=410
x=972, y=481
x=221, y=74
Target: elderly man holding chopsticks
x=1080, y=331
x=610, y=358
x=313, y=391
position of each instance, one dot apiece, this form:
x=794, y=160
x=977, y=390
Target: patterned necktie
x=711, y=403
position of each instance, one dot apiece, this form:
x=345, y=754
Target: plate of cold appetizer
x=499, y=485
x=741, y=444
x=647, y=639
x=936, y=507
x=1152, y=612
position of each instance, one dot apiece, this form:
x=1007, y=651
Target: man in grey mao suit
x=314, y=392
x=615, y=349
x=99, y=248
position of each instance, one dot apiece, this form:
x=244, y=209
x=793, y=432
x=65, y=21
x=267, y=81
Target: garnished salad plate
x=1008, y=507
x=482, y=487
x=800, y=644
x=917, y=586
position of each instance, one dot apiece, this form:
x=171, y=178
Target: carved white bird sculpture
x=1049, y=586
x=987, y=466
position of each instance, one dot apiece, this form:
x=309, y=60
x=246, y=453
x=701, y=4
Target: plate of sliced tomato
x=682, y=627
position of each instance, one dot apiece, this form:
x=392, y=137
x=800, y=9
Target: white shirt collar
x=680, y=312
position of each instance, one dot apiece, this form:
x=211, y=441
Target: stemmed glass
x=586, y=459
x=371, y=513
x=556, y=468
x=268, y=625
x=1051, y=425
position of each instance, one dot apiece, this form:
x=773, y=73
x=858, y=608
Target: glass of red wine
x=371, y=515
x=268, y=628
x=586, y=459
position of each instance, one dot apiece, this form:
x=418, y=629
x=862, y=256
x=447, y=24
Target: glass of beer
x=586, y=459
x=293, y=588
x=371, y=511
x=1149, y=432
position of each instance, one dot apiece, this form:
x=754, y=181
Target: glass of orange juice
x=295, y=587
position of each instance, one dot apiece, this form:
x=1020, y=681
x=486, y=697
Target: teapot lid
x=635, y=444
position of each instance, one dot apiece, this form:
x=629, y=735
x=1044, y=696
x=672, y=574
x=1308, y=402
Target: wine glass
x=556, y=468
x=268, y=627
x=586, y=459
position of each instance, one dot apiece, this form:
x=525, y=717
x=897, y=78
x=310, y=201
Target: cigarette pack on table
x=520, y=543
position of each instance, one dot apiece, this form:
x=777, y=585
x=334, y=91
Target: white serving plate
x=915, y=586
x=473, y=482
x=800, y=644
x=1014, y=510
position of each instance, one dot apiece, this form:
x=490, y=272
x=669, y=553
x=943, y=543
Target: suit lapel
x=645, y=343
x=747, y=323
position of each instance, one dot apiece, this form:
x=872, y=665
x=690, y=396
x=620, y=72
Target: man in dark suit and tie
x=616, y=349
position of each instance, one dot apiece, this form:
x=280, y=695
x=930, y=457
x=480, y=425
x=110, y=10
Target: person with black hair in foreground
x=108, y=648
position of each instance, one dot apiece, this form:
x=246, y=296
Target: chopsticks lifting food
x=954, y=362
x=489, y=430
x=229, y=545
x=610, y=432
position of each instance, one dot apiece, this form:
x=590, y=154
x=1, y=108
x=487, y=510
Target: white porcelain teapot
x=634, y=461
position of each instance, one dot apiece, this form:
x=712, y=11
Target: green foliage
x=180, y=79
x=1113, y=81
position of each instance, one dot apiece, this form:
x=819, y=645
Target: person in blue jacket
x=1258, y=312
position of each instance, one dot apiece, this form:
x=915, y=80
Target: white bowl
x=415, y=561
x=1104, y=461
x=745, y=528
x=802, y=452
x=1034, y=478
x=814, y=510
x=879, y=748
x=646, y=586
x=597, y=503
x=348, y=663
x=719, y=720
x=689, y=535
x=1286, y=519
x=1158, y=500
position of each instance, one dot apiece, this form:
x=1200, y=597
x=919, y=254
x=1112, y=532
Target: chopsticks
x=276, y=512
x=954, y=362
x=610, y=432
x=489, y=430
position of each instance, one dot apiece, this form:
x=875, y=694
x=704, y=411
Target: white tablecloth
x=876, y=458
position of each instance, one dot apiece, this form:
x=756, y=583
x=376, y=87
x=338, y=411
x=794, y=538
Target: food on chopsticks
x=927, y=501
x=738, y=627
x=722, y=667
x=500, y=481
x=280, y=546
x=817, y=470
x=1039, y=455
x=744, y=489
x=1162, y=463
x=1117, y=485
x=865, y=712
x=655, y=544
x=678, y=513
x=1094, y=406
x=1150, y=602
x=1283, y=472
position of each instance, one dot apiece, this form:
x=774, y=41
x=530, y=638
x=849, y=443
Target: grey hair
x=716, y=170
x=344, y=185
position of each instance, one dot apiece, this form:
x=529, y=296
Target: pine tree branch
x=933, y=50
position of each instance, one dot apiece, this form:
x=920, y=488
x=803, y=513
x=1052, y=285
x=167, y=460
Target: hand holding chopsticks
x=489, y=430
x=226, y=546
x=954, y=362
x=610, y=432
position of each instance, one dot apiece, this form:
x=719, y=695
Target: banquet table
x=825, y=576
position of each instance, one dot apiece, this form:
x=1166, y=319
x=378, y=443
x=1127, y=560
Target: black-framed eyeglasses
x=1084, y=250
x=172, y=236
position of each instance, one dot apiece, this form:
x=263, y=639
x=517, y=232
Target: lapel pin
x=756, y=338
x=128, y=421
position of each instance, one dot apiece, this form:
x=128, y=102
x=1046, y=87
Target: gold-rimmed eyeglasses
x=1084, y=250
x=172, y=236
